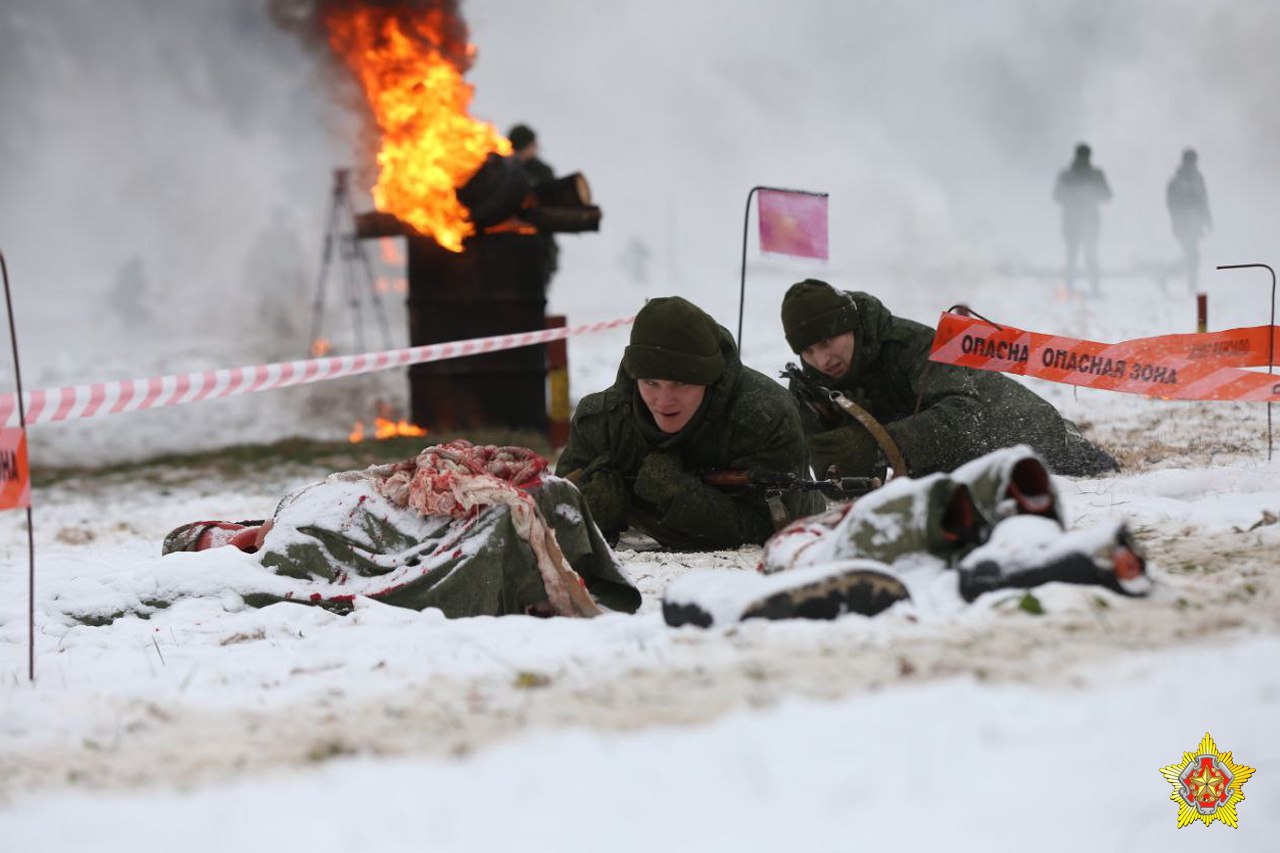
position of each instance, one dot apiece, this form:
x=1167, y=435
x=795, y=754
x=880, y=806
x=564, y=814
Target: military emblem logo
x=1207, y=784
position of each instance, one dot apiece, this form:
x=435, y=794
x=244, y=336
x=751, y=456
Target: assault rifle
x=817, y=397
x=836, y=488
x=829, y=403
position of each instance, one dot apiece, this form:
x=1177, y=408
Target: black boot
x=718, y=597
x=1025, y=557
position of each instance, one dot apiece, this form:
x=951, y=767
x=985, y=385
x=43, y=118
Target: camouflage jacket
x=939, y=415
x=747, y=421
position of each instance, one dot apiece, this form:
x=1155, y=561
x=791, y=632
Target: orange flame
x=390, y=429
x=430, y=145
x=384, y=428
x=320, y=347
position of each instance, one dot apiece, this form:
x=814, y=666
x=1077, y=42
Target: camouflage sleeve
x=713, y=518
x=579, y=451
x=589, y=463
x=725, y=520
x=946, y=430
x=593, y=442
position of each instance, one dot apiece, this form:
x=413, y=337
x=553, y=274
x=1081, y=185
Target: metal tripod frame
x=340, y=237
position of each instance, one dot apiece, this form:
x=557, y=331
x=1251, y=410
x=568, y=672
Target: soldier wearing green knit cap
x=940, y=416
x=684, y=404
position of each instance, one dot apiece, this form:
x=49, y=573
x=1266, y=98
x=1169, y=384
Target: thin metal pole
x=371, y=284
x=746, y=224
x=326, y=256
x=742, y=281
x=1271, y=343
x=31, y=539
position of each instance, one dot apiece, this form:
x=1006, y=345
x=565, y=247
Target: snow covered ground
x=956, y=765
x=1040, y=731
x=210, y=726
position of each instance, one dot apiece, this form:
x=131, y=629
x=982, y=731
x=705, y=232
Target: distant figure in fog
x=1188, y=203
x=1080, y=189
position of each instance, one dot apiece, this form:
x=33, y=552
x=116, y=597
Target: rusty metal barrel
x=495, y=286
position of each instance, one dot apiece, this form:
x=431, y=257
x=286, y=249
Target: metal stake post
x=1271, y=344
x=31, y=539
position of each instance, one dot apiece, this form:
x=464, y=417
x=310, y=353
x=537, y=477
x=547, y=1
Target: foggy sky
x=165, y=164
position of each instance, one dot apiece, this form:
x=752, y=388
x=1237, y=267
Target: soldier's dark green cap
x=813, y=310
x=676, y=340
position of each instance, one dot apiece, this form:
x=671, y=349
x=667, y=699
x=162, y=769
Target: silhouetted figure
x=524, y=145
x=1080, y=189
x=1188, y=203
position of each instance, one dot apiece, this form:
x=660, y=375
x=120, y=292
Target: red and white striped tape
x=74, y=402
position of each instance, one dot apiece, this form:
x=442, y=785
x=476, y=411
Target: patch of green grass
x=1030, y=604
x=525, y=679
x=100, y=620
x=245, y=459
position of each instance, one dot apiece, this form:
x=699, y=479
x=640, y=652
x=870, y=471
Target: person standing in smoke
x=524, y=147
x=1188, y=203
x=1080, y=189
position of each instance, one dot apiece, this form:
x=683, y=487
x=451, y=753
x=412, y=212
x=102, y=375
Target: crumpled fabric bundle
x=459, y=479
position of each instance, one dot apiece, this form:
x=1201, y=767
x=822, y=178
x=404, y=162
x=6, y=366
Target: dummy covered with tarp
x=471, y=530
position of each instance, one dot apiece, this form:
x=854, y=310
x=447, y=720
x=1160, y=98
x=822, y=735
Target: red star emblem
x=1207, y=784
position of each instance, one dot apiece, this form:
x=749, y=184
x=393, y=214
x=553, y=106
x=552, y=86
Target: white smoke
x=165, y=165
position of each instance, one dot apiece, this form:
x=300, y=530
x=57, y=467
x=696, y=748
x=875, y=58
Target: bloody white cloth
x=458, y=479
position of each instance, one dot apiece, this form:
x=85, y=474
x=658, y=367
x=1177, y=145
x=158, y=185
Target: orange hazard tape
x=1205, y=366
x=15, y=475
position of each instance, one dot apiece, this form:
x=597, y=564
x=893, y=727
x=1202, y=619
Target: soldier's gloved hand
x=605, y=493
x=662, y=478
x=850, y=448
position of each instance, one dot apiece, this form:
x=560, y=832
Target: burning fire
x=430, y=145
x=383, y=428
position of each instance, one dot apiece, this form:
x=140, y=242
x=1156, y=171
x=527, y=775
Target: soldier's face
x=672, y=404
x=831, y=356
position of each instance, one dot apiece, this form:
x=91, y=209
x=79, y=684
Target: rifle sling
x=878, y=432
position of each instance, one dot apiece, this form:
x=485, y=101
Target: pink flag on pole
x=793, y=223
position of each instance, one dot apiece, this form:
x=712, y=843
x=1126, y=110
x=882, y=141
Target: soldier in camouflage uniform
x=939, y=415
x=683, y=404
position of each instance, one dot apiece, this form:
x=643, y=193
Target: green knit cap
x=676, y=340
x=813, y=311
